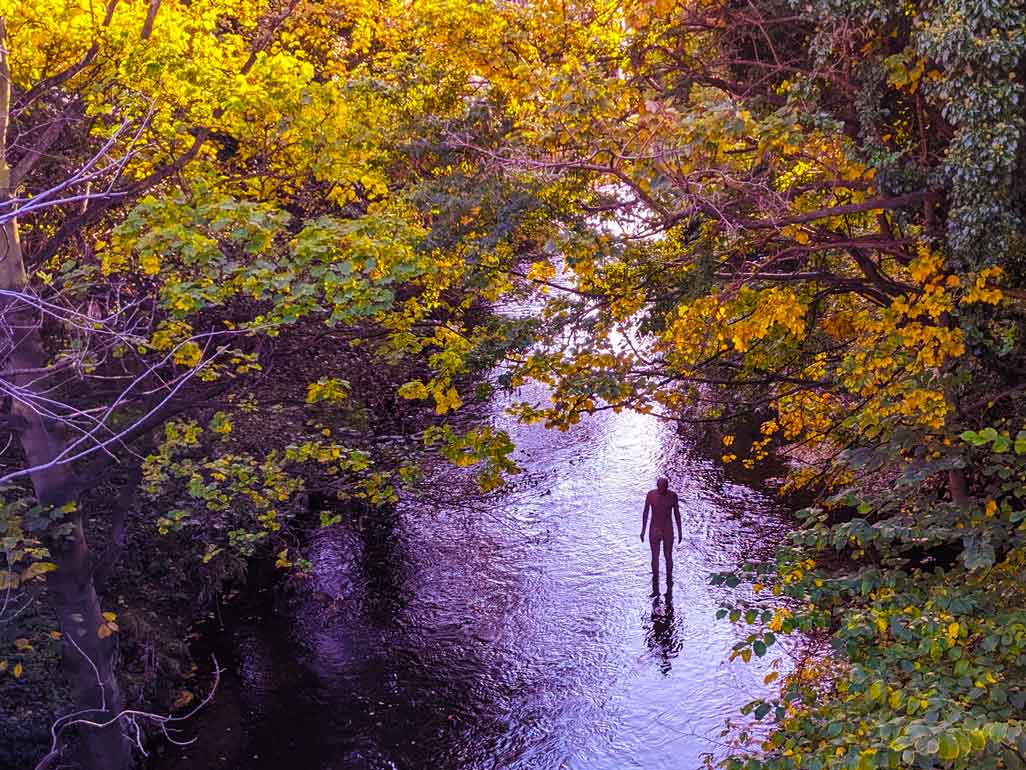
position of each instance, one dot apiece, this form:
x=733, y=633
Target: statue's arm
x=644, y=517
x=676, y=515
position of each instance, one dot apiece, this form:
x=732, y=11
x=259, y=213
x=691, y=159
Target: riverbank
x=165, y=587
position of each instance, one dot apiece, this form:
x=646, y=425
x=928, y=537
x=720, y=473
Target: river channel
x=521, y=635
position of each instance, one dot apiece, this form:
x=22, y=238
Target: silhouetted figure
x=661, y=502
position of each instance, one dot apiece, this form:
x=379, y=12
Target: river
x=519, y=636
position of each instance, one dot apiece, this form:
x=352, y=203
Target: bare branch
x=129, y=717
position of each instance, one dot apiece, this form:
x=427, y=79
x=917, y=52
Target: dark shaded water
x=524, y=637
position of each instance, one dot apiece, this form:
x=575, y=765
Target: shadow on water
x=521, y=636
x=662, y=632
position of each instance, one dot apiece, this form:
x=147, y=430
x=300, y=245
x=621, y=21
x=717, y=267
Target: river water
x=518, y=636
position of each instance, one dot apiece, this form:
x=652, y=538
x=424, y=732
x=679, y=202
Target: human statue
x=661, y=501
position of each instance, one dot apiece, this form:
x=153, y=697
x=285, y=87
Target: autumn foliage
x=800, y=219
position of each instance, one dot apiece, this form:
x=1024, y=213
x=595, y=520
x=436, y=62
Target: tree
x=808, y=216
x=185, y=186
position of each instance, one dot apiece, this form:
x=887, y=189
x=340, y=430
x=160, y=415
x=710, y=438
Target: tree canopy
x=810, y=216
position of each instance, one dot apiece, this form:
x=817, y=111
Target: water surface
x=518, y=636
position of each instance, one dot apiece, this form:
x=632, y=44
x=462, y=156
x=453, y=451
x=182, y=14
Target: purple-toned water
x=523, y=636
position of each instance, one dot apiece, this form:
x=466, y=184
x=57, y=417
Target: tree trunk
x=88, y=658
x=958, y=487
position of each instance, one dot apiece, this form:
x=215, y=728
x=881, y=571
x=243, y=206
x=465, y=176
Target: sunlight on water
x=523, y=636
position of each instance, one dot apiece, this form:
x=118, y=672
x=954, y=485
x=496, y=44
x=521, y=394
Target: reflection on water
x=661, y=633
x=522, y=636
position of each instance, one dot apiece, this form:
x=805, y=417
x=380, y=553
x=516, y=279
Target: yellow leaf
x=55, y=634
x=771, y=676
x=413, y=390
x=23, y=644
x=540, y=271
x=446, y=400
x=188, y=354
x=110, y=616
x=17, y=670
x=150, y=264
x=104, y=631
x=36, y=569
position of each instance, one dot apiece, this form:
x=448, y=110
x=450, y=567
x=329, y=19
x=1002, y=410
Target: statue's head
x=663, y=484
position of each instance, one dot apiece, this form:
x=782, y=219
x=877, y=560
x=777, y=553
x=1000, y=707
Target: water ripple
x=525, y=639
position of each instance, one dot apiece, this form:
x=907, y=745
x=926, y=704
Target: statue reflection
x=662, y=632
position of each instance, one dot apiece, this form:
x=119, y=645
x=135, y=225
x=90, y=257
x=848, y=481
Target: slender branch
x=45, y=141
x=151, y=17
x=163, y=721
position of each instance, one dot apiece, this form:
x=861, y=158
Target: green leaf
x=875, y=690
x=978, y=553
x=972, y=437
x=948, y=747
x=1020, y=442
x=978, y=739
x=997, y=731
